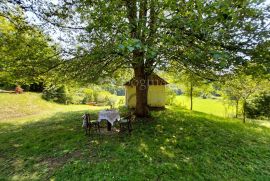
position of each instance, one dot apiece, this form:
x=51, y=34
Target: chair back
x=132, y=118
x=87, y=118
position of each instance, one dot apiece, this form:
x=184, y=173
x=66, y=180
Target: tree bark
x=236, y=111
x=141, y=92
x=191, y=94
x=138, y=26
x=244, y=111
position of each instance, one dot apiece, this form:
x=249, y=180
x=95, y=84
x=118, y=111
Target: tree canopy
x=26, y=54
x=206, y=37
x=240, y=87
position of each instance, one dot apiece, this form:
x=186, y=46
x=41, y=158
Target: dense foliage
x=92, y=95
x=259, y=106
x=57, y=94
x=26, y=55
x=207, y=37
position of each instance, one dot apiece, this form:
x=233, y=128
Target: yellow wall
x=131, y=96
x=156, y=96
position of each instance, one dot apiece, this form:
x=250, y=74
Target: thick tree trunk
x=141, y=92
x=138, y=26
x=191, y=98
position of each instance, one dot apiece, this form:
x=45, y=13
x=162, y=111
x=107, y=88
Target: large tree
x=26, y=54
x=208, y=37
x=240, y=87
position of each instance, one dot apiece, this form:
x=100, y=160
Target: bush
x=102, y=96
x=106, y=98
x=89, y=96
x=112, y=101
x=124, y=111
x=259, y=106
x=251, y=110
x=62, y=94
x=76, y=98
x=57, y=94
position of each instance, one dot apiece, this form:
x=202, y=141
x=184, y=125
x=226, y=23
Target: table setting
x=110, y=115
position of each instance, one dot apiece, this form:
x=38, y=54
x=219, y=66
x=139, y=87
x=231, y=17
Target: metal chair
x=88, y=124
x=125, y=123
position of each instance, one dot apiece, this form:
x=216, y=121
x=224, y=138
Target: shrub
x=89, y=95
x=251, y=110
x=102, y=96
x=259, y=106
x=57, y=94
x=124, y=111
x=106, y=98
x=76, y=98
x=112, y=101
x=6, y=86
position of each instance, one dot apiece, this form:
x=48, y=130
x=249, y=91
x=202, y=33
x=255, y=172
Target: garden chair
x=125, y=123
x=88, y=124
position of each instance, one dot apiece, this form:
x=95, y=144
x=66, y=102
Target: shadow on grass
x=174, y=145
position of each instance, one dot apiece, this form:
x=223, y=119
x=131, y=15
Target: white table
x=111, y=116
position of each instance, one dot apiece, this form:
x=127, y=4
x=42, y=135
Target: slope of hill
x=175, y=144
x=29, y=104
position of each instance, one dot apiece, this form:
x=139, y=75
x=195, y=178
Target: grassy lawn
x=13, y=105
x=175, y=144
x=210, y=106
x=30, y=106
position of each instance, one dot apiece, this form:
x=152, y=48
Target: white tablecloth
x=111, y=116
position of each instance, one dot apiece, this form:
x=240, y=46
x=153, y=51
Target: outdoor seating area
x=108, y=121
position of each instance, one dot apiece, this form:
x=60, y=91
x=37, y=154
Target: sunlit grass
x=174, y=144
x=30, y=106
x=218, y=107
x=20, y=105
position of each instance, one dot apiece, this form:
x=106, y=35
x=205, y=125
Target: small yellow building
x=156, y=92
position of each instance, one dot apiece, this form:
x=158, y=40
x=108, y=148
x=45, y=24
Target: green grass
x=175, y=144
x=26, y=106
x=216, y=107
x=21, y=105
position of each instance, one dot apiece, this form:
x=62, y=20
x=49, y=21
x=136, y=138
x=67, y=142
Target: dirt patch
x=56, y=162
x=104, y=131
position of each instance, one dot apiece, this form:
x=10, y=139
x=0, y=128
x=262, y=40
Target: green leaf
x=121, y=46
x=130, y=48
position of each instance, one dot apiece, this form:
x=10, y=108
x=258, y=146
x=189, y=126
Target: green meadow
x=217, y=106
x=45, y=141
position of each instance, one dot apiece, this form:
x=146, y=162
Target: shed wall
x=156, y=96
